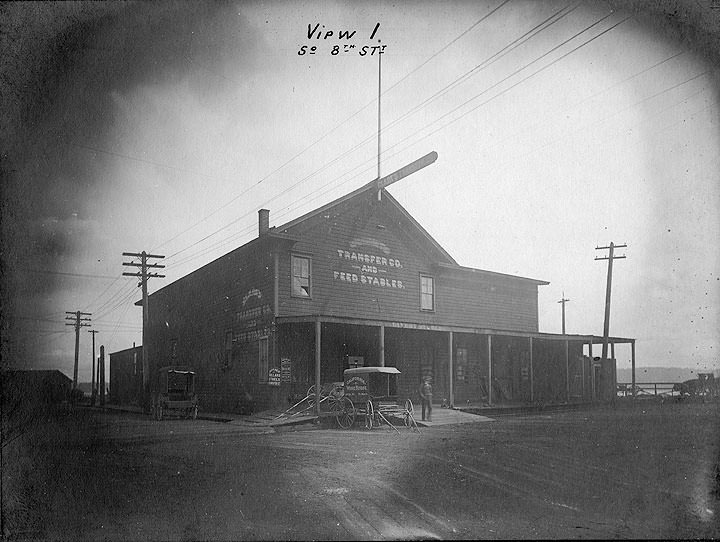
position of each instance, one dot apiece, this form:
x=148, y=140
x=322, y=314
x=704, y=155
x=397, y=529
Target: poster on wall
x=285, y=371
x=274, y=377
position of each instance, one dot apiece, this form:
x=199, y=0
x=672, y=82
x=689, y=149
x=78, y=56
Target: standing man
x=426, y=398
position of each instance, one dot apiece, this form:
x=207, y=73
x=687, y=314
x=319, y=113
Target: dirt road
x=641, y=472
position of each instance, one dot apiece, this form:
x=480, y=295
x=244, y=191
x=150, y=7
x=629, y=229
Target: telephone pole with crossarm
x=143, y=275
x=79, y=322
x=610, y=257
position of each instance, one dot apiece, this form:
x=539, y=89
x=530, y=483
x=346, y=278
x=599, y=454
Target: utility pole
x=610, y=257
x=78, y=323
x=101, y=374
x=143, y=275
x=93, y=391
x=563, y=301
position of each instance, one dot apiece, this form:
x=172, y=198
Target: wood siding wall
x=340, y=243
x=230, y=294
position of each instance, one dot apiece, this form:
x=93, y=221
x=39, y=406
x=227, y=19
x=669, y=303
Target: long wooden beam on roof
x=404, y=171
x=374, y=184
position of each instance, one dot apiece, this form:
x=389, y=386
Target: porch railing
x=624, y=389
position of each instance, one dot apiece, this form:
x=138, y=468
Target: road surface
x=647, y=471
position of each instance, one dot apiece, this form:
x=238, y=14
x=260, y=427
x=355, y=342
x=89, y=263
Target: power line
x=614, y=114
x=64, y=274
x=523, y=79
x=369, y=138
x=332, y=129
x=129, y=294
x=544, y=25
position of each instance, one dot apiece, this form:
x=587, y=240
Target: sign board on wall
x=274, y=377
x=356, y=361
x=285, y=371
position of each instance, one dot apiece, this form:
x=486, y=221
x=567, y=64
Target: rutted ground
x=643, y=471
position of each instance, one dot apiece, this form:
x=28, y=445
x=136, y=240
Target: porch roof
x=595, y=339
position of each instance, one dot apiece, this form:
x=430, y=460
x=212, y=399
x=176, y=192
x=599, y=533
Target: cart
x=333, y=404
x=176, y=393
x=373, y=391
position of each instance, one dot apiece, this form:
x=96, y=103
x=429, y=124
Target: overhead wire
x=464, y=103
x=464, y=114
x=326, y=134
x=490, y=60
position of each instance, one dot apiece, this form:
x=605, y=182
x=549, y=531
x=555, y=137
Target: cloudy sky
x=560, y=127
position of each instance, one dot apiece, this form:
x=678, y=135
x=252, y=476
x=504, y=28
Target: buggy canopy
x=366, y=370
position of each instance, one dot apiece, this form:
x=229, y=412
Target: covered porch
x=467, y=366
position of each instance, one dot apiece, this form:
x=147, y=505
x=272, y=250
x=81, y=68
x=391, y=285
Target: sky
x=559, y=126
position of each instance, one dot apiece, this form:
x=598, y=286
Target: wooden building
x=359, y=281
x=126, y=376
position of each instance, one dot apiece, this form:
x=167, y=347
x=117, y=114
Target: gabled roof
x=445, y=260
x=375, y=184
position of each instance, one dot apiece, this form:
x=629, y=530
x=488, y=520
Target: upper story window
x=301, y=276
x=427, y=293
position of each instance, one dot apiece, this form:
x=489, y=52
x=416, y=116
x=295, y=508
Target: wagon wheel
x=310, y=396
x=408, y=414
x=346, y=412
x=369, y=415
x=333, y=405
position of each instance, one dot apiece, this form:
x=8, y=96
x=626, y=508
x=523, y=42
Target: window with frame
x=263, y=360
x=427, y=293
x=301, y=276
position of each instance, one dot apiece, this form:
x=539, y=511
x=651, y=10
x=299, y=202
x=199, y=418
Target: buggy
x=175, y=392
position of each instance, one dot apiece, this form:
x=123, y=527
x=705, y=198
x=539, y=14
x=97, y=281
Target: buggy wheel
x=369, y=415
x=346, y=412
x=310, y=396
x=408, y=415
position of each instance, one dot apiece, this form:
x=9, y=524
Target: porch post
x=450, y=368
x=382, y=345
x=592, y=371
x=276, y=309
x=632, y=359
x=584, y=391
x=489, y=337
x=567, y=371
x=317, y=365
x=532, y=383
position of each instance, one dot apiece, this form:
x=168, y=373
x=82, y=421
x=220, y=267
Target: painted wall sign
x=274, y=377
x=255, y=312
x=249, y=336
x=370, y=269
x=254, y=292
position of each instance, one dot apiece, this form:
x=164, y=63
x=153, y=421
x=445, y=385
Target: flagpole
x=379, y=110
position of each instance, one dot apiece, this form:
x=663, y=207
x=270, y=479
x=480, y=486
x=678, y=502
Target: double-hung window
x=301, y=276
x=427, y=293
